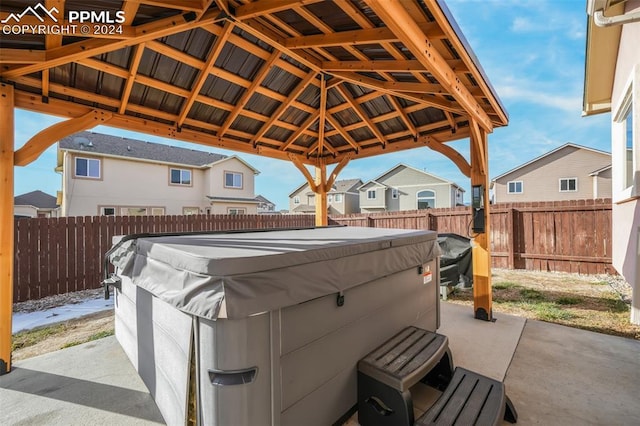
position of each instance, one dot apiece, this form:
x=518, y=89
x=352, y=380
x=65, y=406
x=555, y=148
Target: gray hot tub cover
x=240, y=274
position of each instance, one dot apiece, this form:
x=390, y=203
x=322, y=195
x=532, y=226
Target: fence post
x=511, y=227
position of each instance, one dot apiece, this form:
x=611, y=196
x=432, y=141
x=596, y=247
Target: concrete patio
x=555, y=375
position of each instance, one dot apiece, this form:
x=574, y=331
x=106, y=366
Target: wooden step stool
x=386, y=374
x=470, y=399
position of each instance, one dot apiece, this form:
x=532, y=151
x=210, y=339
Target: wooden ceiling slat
x=362, y=114
x=257, y=80
x=131, y=78
x=301, y=129
x=93, y=47
x=205, y=71
x=284, y=105
x=265, y=7
x=345, y=134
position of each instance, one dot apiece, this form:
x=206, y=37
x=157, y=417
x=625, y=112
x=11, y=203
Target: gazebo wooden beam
x=93, y=47
x=396, y=17
x=257, y=80
x=70, y=109
x=35, y=146
x=362, y=114
x=6, y=223
x=453, y=155
x=205, y=71
x=131, y=78
x=481, y=247
x=379, y=85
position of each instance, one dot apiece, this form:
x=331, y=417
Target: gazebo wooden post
x=6, y=223
x=482, y=297
x=322, y=217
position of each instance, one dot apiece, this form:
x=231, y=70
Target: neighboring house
x=407, y=188
x=342, y=199
x=612, y=84
x=35, y=204
x=109, y=175
x=265, y=206
x=569, y=172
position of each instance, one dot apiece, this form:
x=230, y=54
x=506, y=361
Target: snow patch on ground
x=29, y=320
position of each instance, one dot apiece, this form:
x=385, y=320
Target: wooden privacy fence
x=60, y=255
x=565, y=236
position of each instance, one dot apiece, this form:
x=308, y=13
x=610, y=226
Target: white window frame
x=236, y=210
x=418, y=197
x=330, y=198
x=104, y=208
x=395, y=193
x=234, y=184
x=157, y=211
x=296, y=200
x=624, y=171
x=124, y=210
x=567, y=179
x=190, y=210
x=371, y=194
x=183, y=181
x=515, y=182
x=88, y=175
x=337, y=198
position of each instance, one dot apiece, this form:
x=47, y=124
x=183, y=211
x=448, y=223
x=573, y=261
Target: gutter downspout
x=608, y=21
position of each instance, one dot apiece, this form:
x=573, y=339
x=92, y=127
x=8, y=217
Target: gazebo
x=314, y=82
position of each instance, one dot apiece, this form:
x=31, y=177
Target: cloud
x=523, y=92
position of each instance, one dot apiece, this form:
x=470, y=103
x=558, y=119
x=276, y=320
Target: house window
x=628, y=136
x=133, y=211
x=108, y=211
x=329, y=198
x=394, y=193
x=233, y=180
x=157, y=211
x=371, y=194
x=235, y=211
x=514, y=187
x=88, y=168
x=190, y=211
x=180, y=177
x=568, y=184
x=426, y=199
x=337, y=198
x=296, y=200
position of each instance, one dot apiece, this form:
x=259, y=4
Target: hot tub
x=269, y=325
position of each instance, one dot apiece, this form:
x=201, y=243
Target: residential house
x=612, y=84
x=109, y=175
x=342, y=199
x=407, y=188
x=265, y=206
x=35, y=204
x=569, y=172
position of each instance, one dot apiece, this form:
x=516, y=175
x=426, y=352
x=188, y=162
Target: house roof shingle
x=98, y=143
x=37, y=199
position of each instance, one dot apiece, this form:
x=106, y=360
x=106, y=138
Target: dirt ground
x=593, y=302
x=598, y=303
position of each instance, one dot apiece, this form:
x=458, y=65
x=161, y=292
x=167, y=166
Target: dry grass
x=580, y=301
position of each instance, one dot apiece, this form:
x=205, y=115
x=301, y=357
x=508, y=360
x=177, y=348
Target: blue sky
x=532, y=52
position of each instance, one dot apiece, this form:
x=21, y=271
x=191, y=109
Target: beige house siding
x=408, y=182
x=348, y=204
x=541, y=179
x=126, y=183
x=373, y=204
x=233, y=165
x=626, y=201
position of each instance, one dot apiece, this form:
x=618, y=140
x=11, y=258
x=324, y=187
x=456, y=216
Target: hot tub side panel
x=322, y=342
x=234, y=362
x=157, y=340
